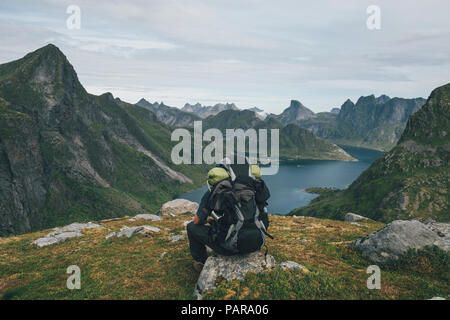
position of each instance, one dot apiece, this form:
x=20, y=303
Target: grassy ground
x=120, y=268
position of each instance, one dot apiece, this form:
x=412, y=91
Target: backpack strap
x=231, y=239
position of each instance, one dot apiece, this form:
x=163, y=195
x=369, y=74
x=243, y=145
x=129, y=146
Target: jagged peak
x=348, y=101
x=142, y=100
x=46, y=69
x=49, y=49
x=188, y=105
x=298, y=107
x=49, y=52
x=108, y=95
x=296, y=104
x=430, y=123
x=383, y=98
x=366, y=99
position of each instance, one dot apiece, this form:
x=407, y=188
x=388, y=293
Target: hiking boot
x=198, y=266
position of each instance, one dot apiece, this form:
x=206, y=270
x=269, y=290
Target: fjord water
x=286, y=187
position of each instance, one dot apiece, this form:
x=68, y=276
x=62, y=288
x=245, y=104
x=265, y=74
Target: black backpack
x=237, y=205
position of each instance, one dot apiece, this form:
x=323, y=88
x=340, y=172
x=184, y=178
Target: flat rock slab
x=178, y=206
x=175, y=238
x=67, y=232
x=397, y=238
x=293, y=265
x=78, y=227
x=231, y=267
x=131, y=231
x=146, y=216
x=352, y=217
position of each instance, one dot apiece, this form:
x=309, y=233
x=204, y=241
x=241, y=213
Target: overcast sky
x=250, y=52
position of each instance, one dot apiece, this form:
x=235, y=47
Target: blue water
x=286, y=187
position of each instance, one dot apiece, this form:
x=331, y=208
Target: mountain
x=206, y=111
x=294, y=113
x=375, y=123
x=67, y=155
x=169, y=115
x=335, y=110
x=259, y=112
x=409, y=182
x=295, y=142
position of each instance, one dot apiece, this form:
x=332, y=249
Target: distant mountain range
x=170, y=115
x=374, y=123
x=206, y=111
x=409, y=182
x=295, y=142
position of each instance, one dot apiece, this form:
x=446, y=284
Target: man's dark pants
x=199, y=239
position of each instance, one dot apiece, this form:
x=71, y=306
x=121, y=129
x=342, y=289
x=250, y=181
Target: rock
x=152, y=229
x=443, y=231
x=437, y=298
x=231, y=267
x=131, y=231
x=178, y=206
x=78, y=227
x=358, y=224
x=293, y=265
x=186, y=223
x=354, y=217
x=162, y=255
x=55, y=238
x=397, y=238
x=304, y=240
x=67, y=232
x=176, y=238
x=146, y=216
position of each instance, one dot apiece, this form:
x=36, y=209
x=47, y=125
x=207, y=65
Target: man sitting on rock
x=234, y=206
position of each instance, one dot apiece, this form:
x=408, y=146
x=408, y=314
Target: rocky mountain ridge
x=410, y=181
x=68, y=155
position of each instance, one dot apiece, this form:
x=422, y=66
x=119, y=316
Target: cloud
x=252, y=52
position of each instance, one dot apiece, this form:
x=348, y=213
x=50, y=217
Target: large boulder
x=398, y=237
x=352, y=217
x=178, y=206
x=231, y=267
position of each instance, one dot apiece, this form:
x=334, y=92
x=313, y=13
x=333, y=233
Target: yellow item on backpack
x=256, y=171
x=215, y=175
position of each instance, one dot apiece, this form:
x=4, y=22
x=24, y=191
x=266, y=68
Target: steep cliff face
x=66, y=154
x=372, y=122
x=411, y=181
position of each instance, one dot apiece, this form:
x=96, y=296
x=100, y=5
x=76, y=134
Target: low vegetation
x=152, y=267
